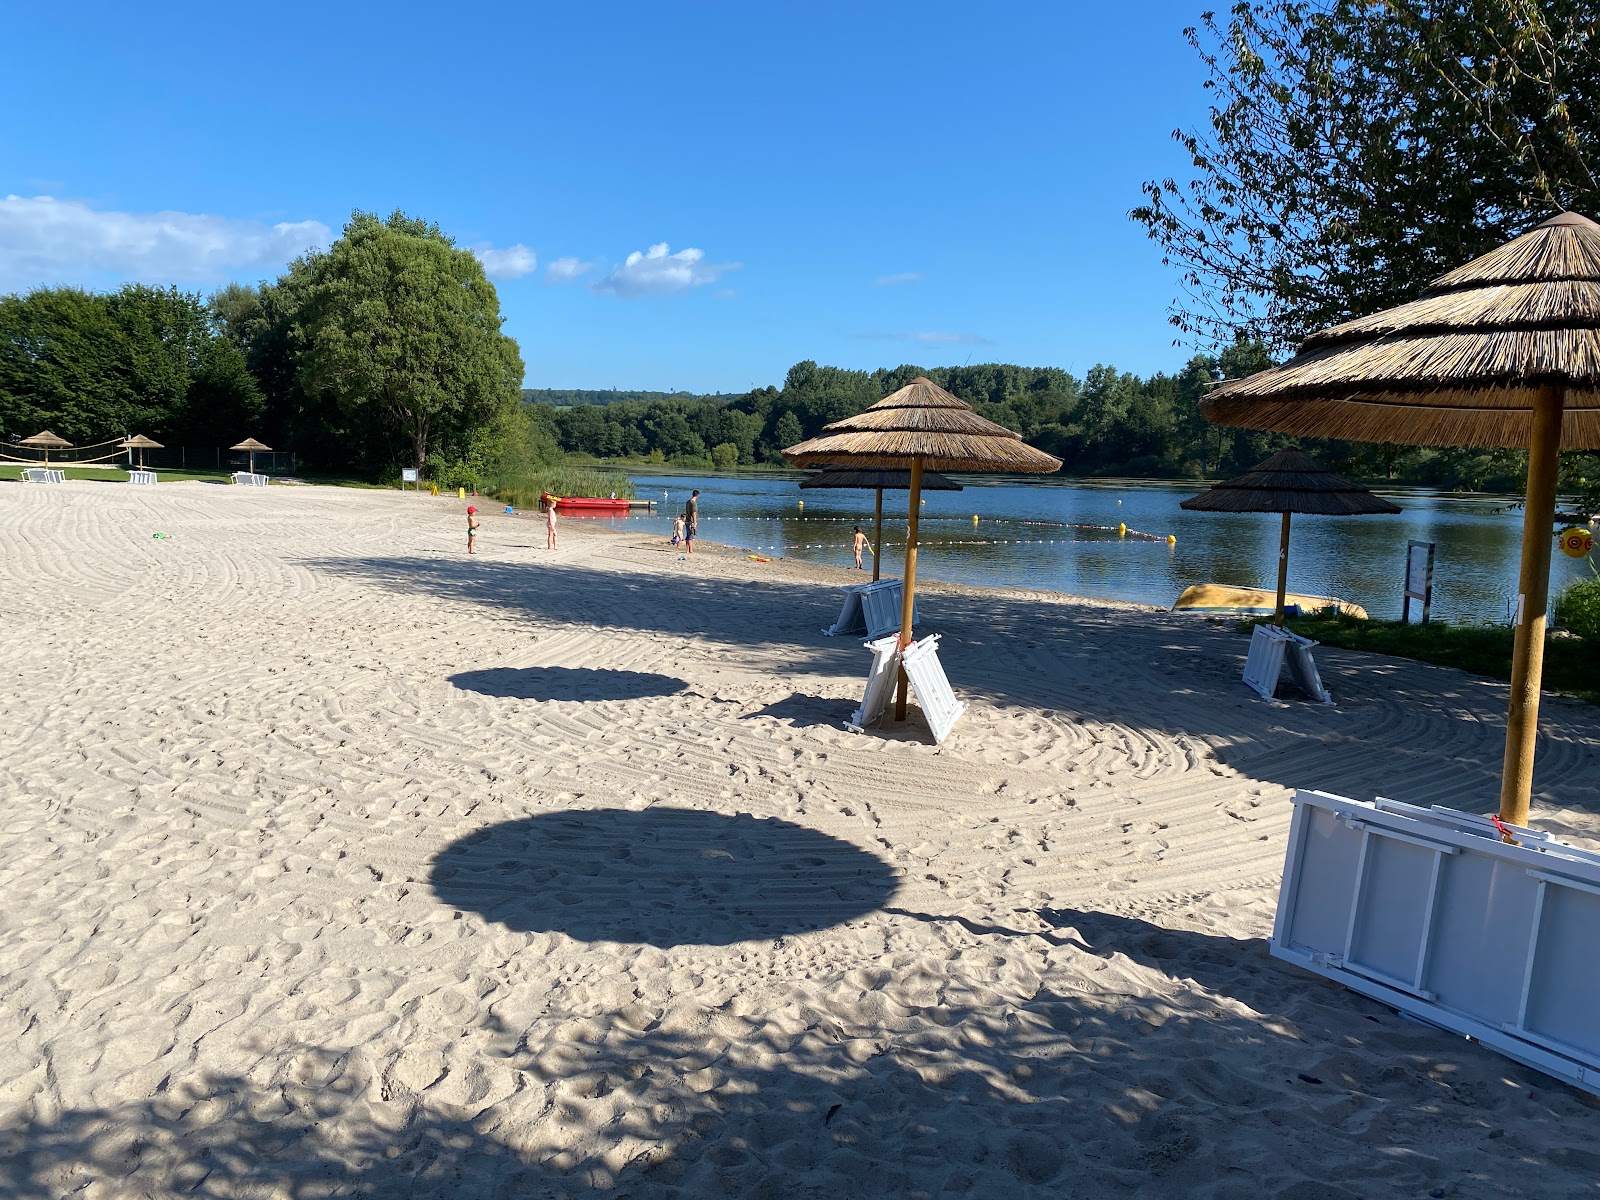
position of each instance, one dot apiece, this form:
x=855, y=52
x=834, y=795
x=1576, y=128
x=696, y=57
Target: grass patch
x=1571, y=664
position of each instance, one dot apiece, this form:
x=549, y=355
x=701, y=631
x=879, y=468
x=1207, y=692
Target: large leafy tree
x=138, y=360
x=1355, y=149
x=398, y=329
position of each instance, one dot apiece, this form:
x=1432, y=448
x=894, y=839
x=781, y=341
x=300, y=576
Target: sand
x=337, y=863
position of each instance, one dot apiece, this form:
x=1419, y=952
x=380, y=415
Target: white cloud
x=44, y=240
x=903, y=277
x=931, y=338
x=565, y=270
x=659, y=272
x=511, y=262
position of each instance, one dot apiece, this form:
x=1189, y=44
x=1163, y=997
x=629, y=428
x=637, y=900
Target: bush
x=725, y=456
x=1578, y=608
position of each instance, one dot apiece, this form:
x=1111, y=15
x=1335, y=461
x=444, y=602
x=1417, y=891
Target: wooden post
x=1283, y=571
x=908, y=602
x=877, y=537
x=1527, y=655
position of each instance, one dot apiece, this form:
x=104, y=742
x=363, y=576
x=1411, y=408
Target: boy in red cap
x=472, y=529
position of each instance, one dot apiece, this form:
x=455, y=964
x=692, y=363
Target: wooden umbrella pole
x=1283, y=571
x=877, y=537
x=1527, y=656
x=908, y=602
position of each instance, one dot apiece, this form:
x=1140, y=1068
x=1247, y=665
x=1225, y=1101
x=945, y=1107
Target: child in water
x=860, y=544
x=472, y=529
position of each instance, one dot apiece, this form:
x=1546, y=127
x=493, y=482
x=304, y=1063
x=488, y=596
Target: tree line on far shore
x=1109, y=422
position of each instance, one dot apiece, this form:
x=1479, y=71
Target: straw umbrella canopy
x=920, y=426
x=1289, y=482
x=252, y=446
x=46, y=441
x=879, y=481
x=1503, y=351
x=140, y=443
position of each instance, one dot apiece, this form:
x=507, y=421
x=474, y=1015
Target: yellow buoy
x=1122, y=530
x=974, y=518
x=1171, y=541
x=802, y=506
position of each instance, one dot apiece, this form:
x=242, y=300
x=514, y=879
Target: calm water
x=1061, y=536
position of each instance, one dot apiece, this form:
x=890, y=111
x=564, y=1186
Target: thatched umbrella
x=1289, y=482
x=879, y=481
x=46, y=441
x=140, y=443
x=921, y=425
x=1504, y=351
x=252, y=446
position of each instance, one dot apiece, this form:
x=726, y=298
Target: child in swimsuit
x=550, y=525
x=472, y=529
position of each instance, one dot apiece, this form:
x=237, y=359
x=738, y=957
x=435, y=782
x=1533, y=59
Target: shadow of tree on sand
x=662, y=876
x=567, y=683
x=1184, y=1065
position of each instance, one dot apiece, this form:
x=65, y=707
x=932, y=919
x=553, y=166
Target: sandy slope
x=334, y=862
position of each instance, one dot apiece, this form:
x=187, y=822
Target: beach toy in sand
x=1122, y=530
x=461, y=493
x=1576, y=542
x=160, y=535
x=509, y=511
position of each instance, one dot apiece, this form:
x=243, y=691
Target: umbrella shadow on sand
x=1183, y=1066
x=567, y=683
x=662, y=876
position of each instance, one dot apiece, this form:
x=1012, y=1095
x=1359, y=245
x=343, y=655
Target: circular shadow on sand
x=566, y=683
x=664, y=876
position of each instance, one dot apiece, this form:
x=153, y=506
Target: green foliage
x=138, y=360
x=400, y=331
x=1570, y=665
x=1356, y=150
x=724, y=456
x=567, y=397
x=1578, y=609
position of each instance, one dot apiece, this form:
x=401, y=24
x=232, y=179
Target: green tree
x=724, y=456
x=1357, y=149
x=400, y=330
x=787, y=431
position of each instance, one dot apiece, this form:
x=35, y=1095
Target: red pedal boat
x=587, y=504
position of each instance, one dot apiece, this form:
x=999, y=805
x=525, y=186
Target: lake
x=1060, y=535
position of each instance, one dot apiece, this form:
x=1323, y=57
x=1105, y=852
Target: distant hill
x=568, y=397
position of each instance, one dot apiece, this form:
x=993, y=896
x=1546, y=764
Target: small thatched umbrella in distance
x=140, y=443
x=920, y=426
x=880, y=481
x=252, y=446
x=1289, y=482
x=46, y=441
x=1504, y=351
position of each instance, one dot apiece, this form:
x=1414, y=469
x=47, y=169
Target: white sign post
x=408, y=475
x=1419, y=579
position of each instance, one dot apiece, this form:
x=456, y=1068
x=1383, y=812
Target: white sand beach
x=335, y=862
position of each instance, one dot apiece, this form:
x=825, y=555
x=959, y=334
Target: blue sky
x=864, y=185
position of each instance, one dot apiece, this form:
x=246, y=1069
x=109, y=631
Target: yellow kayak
x=1221, y=599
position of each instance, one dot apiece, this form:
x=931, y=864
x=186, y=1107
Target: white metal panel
x=934, y=696
x=1431, y=912
x=1303, y=668
x=850, y=619
x=881, y=677
x=1264, y=663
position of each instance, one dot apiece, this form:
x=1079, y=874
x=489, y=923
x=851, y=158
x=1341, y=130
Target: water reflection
x=1031, y=533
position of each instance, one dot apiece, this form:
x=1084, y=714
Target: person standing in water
x=472, y=529
x=691, y=516
x=550, y=524
x=860, y=544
